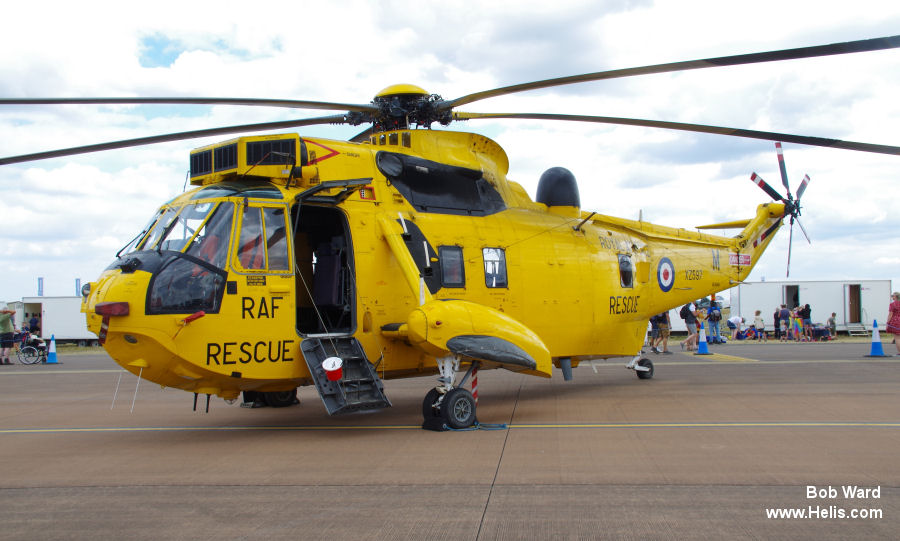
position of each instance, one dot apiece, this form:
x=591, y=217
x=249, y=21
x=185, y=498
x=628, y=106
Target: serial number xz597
x=693, y=274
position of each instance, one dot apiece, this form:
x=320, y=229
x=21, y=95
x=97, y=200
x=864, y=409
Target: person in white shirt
x=760, y=325
x=734, y=323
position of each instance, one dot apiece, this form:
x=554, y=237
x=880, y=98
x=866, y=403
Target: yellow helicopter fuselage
x=414, y=243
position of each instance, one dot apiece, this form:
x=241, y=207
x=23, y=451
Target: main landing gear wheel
x=430, y=408
x=458, y=408
x=645, y=374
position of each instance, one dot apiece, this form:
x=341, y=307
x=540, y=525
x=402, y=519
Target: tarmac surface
x=701, y=451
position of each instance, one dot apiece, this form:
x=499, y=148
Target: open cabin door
x=326, y=290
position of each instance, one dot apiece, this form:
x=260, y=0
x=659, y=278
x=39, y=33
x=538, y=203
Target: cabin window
x=494, y=267
x=626, y=270
x=262, y=243
x=453, y=271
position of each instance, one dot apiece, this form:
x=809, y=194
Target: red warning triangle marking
x=332, y=153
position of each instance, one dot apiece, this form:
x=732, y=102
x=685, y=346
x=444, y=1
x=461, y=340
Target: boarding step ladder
x=359, y=388
x=857, y=329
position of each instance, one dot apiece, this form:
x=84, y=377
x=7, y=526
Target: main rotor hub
x=404, y=105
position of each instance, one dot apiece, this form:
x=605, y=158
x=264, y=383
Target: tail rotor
x=791, y=205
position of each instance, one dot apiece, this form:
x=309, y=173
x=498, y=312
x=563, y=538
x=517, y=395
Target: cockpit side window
x=251, y=251
x=276, y=238
x=262, y=244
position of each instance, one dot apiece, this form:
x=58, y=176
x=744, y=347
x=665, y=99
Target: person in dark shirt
x=713, y=317
x=805, y=317
x=784, y=321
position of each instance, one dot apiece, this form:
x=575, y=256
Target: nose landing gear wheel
x=281, y=399
x=458, y=408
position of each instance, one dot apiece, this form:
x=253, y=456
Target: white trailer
x=60, y=317
x=855, y=302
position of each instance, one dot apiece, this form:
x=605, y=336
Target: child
x=832, y=326
x=760, y=326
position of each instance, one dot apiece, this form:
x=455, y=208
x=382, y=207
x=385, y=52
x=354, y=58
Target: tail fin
x=751, y=242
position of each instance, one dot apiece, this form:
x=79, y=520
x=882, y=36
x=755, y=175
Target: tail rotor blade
x=802, y=187
x=790, y=243
x=784, y=179
x=803, y=230
x=758, y=180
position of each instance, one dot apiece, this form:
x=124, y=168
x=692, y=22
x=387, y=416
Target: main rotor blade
x=259, y=102
x=699, y=128
x=333, y=119
x=875, y=44
x=784, y=179
x=758, y=180
x=802, y=187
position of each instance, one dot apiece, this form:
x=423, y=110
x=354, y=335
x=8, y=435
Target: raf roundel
x=665, y=274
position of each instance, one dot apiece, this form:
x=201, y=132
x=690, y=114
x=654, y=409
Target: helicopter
x=403, y=252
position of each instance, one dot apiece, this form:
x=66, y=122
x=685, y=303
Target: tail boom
x=752, y=241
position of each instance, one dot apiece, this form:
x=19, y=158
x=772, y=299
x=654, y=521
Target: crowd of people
x=790, y=324
x=796, y=325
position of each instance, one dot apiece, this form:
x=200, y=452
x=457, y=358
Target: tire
x=29, y=355
x=428, y=409
x=645, y=375
x=458, y=409
x=281, y=399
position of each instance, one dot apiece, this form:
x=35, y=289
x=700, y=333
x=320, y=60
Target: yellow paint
x=564, y=295
x=401, y=89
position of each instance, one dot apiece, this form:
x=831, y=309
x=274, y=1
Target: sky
x=64, y=219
